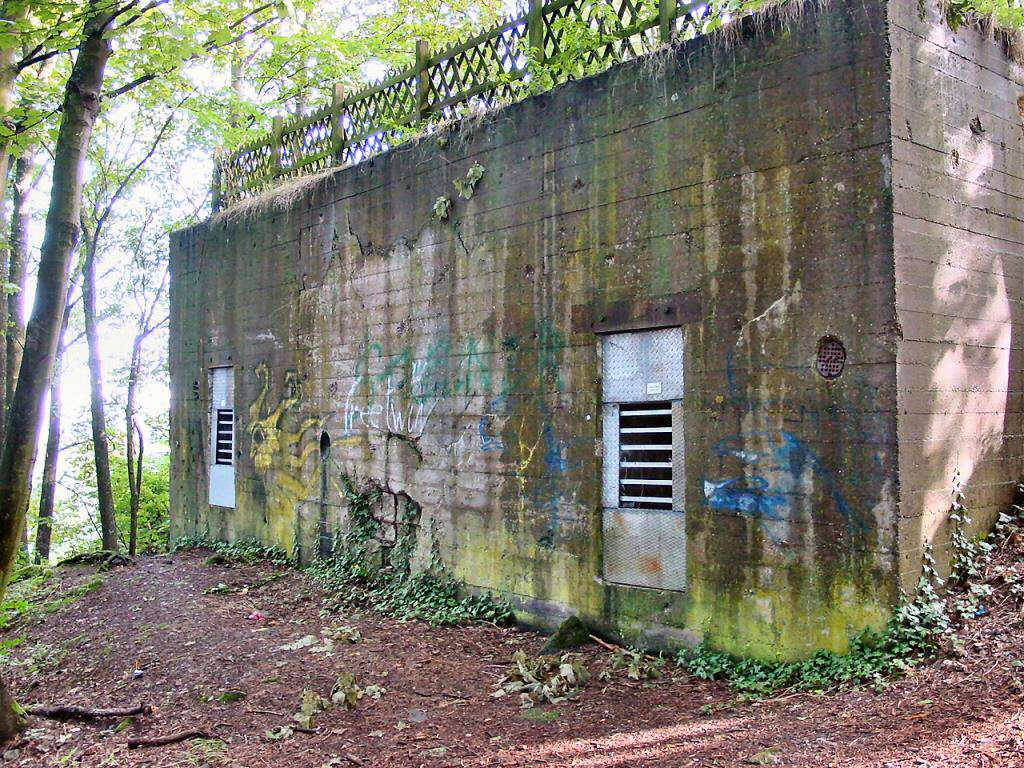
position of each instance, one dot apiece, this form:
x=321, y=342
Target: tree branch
x=112, y=200
x=208, y=47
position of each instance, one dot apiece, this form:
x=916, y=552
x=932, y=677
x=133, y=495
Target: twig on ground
x=604, y=644
x=442, y=694
x=172, y=738
x=84, y=713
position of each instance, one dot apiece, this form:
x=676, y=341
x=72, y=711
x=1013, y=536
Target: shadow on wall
x=960, y=312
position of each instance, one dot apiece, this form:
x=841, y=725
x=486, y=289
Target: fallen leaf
x=303, y=642
x=280, y=732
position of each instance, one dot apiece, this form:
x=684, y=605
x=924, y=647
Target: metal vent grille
x=225, y=437
x=645, y=456
x=831, y=358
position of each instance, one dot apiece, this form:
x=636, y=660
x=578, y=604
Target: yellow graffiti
x=526, y=453
x=279, y=456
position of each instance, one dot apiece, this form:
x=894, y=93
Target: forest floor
x=235, y=665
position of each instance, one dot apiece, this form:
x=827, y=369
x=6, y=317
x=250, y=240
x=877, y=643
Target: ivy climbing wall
x=428, y=323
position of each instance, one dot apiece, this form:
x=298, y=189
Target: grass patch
x=35, y=594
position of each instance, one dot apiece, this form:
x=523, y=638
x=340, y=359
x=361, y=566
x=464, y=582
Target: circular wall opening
x=831, y=358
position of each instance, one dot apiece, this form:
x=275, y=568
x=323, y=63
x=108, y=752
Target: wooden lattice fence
x=486, y=69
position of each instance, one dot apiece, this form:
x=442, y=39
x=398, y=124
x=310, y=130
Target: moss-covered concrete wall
x=740, y=192
x=958, y=189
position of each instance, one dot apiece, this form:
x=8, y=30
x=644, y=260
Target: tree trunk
x=81, y=106
x=136, y=493
x=47, y=494
x=97, y=406
x=5, y=302
x=10, y=721
x=11, y=13
x=134, y=476
x=16, y=269
x=48, y=491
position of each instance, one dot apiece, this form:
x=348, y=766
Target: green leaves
x=442, y=207
x=920, y=626
x=247, y=551
x=362, y=572
x=466, y=186
x=345, y=692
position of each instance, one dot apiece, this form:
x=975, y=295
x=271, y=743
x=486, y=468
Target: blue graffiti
x=747, y=495
x=489, y=441
x=773, y=477
x=555, y=451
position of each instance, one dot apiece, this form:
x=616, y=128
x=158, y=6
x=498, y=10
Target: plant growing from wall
x=467, y=185
x=442, y=207
x=1002, y=15
x=363, y=571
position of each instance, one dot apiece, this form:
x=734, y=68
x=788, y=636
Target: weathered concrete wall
x=745, y=191
x=958, y=188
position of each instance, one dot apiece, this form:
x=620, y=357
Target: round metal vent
x=831, y=358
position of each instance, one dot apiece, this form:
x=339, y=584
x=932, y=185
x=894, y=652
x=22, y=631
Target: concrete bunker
x=698, y=358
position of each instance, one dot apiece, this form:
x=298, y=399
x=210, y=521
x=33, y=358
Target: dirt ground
x=150, y=634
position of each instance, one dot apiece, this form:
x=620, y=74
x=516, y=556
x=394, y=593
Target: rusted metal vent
x=831, y=358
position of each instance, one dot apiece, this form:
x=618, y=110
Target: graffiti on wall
x=404, y=393
x=280, y=446
x=776, y=473
x=776, y=468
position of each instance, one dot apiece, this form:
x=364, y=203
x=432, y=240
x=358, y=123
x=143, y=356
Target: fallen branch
x=84, y=713
x=604, y=644
x=106, y=561
x=443, y=694
x=171, y=738
x=613, y=648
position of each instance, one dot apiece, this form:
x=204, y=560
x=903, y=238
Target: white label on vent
x=654, y=388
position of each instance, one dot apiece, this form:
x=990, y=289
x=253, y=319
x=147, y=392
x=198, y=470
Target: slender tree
x=80, y=108
x=94, y=223
x=134, y=444
x=48, y=489
x=97, y=404
x=17, y=269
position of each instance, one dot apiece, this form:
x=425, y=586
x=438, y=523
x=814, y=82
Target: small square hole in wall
x=831, y=358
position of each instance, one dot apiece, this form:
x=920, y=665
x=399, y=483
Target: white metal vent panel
x=645, y=548
x=610, y=480
x=643, y=366
x=222, y=475
x=678, y=456
x=222, y=388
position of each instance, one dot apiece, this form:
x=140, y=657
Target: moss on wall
x=456, y=362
